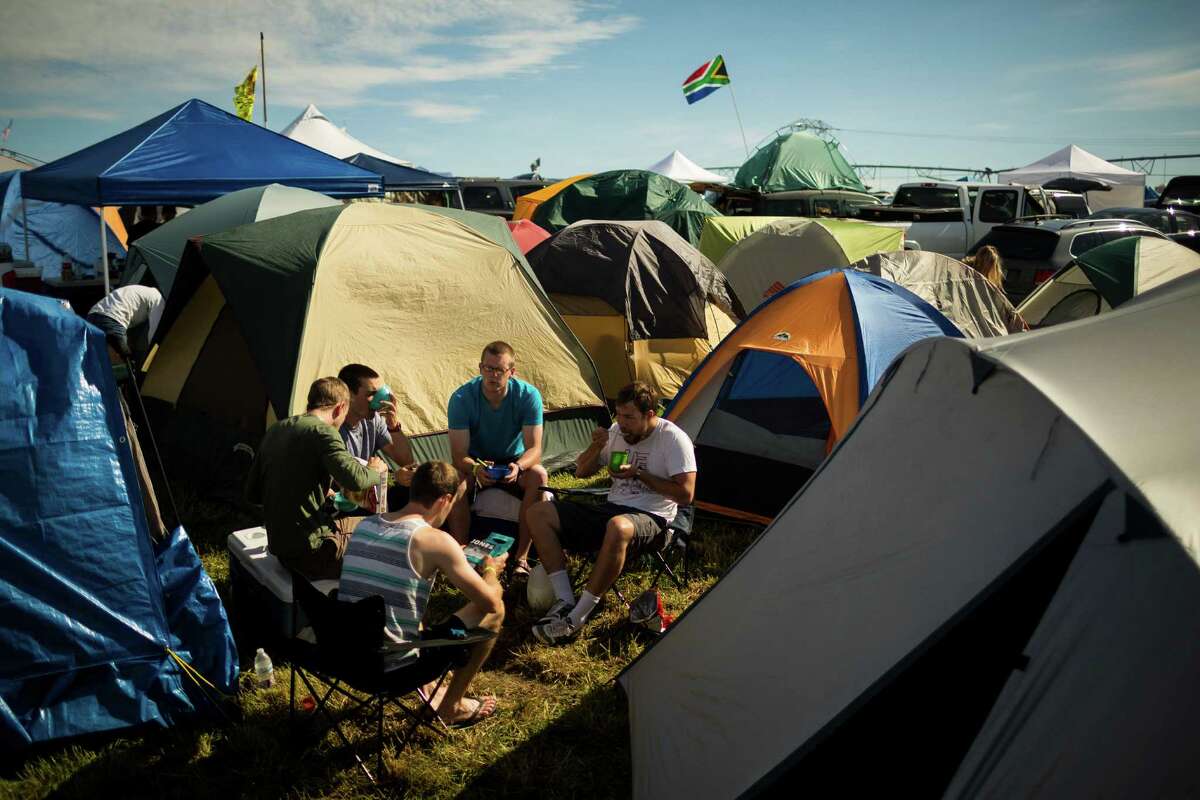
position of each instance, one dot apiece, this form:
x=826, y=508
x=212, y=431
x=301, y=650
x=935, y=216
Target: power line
x=1017, y=139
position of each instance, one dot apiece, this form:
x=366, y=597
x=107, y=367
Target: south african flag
x=706, y=80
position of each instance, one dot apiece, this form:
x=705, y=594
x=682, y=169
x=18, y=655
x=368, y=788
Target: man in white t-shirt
x=130, y=310
x=657, y=476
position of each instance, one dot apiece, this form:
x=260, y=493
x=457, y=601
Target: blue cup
x=381, y=395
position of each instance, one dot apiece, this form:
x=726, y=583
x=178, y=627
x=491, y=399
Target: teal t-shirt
x=495, y=432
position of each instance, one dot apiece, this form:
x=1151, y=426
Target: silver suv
x=1034, y=250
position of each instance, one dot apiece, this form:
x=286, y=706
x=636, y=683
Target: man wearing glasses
x=496, y=420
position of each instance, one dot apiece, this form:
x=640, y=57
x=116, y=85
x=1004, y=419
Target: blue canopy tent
x=47, y=234
x=189, y=155
x=397, y=178
x=98, y=619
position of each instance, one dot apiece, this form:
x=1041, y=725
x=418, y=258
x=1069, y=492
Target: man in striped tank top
x=397, y=556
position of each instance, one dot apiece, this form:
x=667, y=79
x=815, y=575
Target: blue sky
x=482, y=88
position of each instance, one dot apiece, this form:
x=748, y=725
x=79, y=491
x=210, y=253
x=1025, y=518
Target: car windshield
x=1159, y=220
x=1026, y=244
x=926, y=197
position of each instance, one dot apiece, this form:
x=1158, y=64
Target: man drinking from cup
x=496, y=440
x=653, y=467
x=373, y=426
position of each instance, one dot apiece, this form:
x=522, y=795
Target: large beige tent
x=988, y=590
x=722, y=233
x=412, y=293
x=791, y=248
x=316, y=130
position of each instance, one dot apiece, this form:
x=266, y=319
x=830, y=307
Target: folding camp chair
x=348, y=656
x=675, y=547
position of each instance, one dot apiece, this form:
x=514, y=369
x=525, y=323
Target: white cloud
x=1163, y=78
x=55, y=111
x=323, y=51
x=440, y=112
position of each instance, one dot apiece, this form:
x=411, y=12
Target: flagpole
x=262, y=53
x=745, y=144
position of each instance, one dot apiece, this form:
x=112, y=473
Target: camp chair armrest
x=595, y=491
x=473, y=636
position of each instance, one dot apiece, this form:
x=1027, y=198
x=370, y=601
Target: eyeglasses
x=497, y=371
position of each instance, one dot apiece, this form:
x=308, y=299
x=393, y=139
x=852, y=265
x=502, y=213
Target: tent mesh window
x=766, y=433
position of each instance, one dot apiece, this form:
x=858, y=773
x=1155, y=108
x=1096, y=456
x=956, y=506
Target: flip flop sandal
x=521, y=570
x=475, y=717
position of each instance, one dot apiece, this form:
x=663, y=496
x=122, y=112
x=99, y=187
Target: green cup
x=618, y=459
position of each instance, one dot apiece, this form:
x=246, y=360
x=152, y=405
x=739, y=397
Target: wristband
x=394, y=430
x=489, y=568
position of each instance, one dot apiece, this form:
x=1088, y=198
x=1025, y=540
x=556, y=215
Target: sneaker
x=556, y=631
x=558, y=611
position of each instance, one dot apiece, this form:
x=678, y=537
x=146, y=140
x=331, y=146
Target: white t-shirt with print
x=666, y=452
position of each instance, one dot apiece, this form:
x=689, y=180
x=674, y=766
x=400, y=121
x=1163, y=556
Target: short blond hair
x=327, y=393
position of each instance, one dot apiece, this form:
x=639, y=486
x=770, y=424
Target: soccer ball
x=539, y=592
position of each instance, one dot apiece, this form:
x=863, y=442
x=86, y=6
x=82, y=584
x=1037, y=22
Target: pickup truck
x=948, y=218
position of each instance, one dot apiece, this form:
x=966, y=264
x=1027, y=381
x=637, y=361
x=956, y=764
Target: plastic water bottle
x=264, y=670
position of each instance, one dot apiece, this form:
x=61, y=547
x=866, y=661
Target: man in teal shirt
x=497, y=419
x=297, y=461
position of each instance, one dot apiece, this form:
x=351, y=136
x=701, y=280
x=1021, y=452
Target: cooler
x=262, y=592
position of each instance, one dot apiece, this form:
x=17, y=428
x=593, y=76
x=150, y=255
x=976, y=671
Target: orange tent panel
x=528, y=203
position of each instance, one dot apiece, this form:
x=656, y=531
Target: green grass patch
x=562, y=731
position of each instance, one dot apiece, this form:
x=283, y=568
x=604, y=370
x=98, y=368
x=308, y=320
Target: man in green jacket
x=292, y=474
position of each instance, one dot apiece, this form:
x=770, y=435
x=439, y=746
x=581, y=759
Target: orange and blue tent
x=769, y=403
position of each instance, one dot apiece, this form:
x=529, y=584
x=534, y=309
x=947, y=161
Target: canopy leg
x=104, y=249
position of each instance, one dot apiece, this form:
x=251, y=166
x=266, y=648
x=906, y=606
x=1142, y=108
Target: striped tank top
x=377, y=562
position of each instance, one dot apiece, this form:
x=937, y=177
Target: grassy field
x=562, y=730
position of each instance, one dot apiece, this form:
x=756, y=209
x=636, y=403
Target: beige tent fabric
x=1161, y=260
x=1044, y=298
x=965, y=297
x=790, y=249
x=178, y=351
x=396, y=284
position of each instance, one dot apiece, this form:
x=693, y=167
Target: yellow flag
x=243, y=96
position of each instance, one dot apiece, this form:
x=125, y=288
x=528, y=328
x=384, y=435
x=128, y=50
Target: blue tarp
x=56, y=231
x=403, y=179
x=86, y=618
x=189, y=155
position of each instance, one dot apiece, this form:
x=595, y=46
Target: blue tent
x=95, y=615
x=189, y=155
x=56, y=231
x=404, y=179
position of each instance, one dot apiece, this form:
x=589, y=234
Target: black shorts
x=432, y=662
x=582, y=526
x=513, y=488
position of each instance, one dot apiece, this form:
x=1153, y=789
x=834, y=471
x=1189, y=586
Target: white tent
x=1128, y=187
x=988, y=590
x=679, y=167
x=316, y=130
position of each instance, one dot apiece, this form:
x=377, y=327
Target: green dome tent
x=797, y=161
x=627, y=194
x=154, y=258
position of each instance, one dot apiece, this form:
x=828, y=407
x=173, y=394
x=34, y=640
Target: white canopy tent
x=987, y=590
x=679, y=167
x=317, y=131
x=1128, y=187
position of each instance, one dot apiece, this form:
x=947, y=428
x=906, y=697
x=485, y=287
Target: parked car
x=947, y=217
x=1181, y=192
x=798, y=203
x=1034, y=250
x=497, y=196
x=1182, y=227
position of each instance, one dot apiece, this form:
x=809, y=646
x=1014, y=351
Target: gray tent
x=990, y=589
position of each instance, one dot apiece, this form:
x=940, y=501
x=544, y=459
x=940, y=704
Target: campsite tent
x=1127, y=188
x=287, y=300
x=188, y=155
x=629, y=194
x=645, y=303
x=678, y=167
x=782, y=388
x=722, y=233
x=784, y=251
x=990, y=588
x=527, y=235
x=966, y=298
x=398, y=179
x=8, y=164
x=154, y=258
x=1105, y=277
x=528, y=203
x=797, y=160
x=316, y=130
x=57, y=232
x=93, y=608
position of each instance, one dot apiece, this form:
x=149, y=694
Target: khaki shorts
x=325, y=563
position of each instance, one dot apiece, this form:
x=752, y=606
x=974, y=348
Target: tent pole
x=104, y=250
x=25, y=224
x=262, y=54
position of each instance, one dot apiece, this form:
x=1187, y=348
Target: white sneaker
x=557, y=631
x=559, y=610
